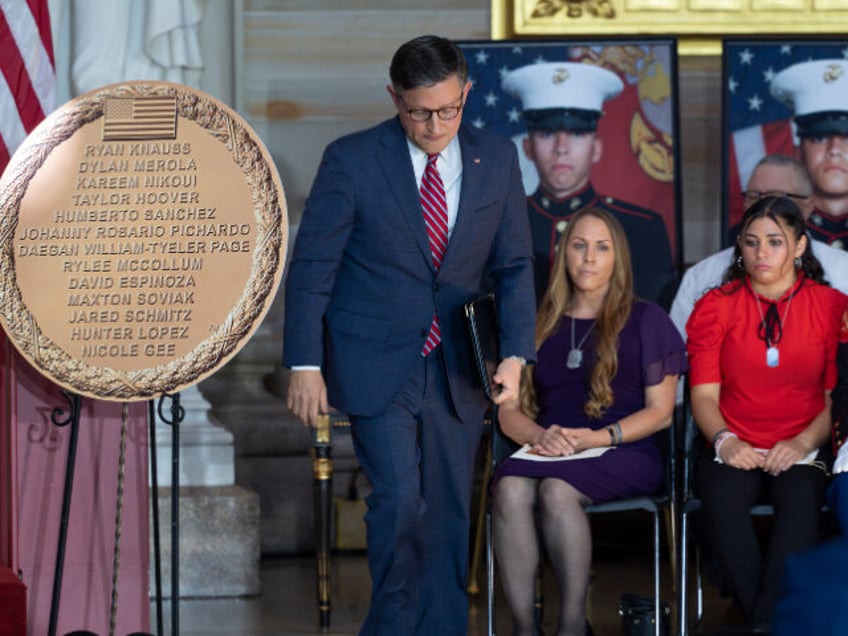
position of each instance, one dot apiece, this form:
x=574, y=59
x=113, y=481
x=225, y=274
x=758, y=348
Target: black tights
x=567, y=538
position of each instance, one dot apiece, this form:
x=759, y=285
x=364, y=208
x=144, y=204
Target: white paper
x=807, y=459
x=524, y=453
x=841, y=463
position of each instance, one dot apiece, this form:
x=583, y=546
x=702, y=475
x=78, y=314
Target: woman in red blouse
x=762, y=364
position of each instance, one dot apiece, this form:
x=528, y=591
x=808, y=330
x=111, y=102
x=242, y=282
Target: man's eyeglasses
x=421, y=115
x=752, y=196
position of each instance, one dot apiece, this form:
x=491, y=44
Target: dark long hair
x=776, y=208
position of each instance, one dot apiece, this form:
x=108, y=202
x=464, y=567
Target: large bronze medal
x=143, y=232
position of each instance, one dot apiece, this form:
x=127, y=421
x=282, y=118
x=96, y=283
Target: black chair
x=483, y=325
x=692, y=444
x=689, y=446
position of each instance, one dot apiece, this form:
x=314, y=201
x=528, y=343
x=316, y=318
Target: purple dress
x=649, y=348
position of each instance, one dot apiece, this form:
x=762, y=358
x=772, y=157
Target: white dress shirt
x=449, y=166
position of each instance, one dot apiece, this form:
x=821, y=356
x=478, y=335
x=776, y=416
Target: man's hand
x=307, y=396
x=508, y=378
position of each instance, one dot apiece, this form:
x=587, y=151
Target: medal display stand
x=174, y=419
x=61, y=417
x=71, y=418
x=173, y=416
x=143, y=235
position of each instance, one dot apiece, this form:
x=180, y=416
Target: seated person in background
x=812, y=597
x=606, y=375
x=773, y=175
x=762, y=351
x=837, y=492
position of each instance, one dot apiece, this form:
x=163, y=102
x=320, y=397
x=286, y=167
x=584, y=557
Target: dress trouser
x=728, y=495
x=419, y=457
x=837, y=498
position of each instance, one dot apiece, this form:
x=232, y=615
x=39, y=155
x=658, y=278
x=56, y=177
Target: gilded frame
x=700, y=24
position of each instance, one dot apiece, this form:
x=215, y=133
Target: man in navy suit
x=812, y=600
x=363, y=295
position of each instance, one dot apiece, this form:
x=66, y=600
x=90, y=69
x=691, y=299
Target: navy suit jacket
x=361, y=288
x=815, y=591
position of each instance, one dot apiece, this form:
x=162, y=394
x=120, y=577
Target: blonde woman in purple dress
x=606, y=376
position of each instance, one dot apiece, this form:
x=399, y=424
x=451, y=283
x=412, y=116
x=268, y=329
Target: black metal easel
x=73, y=418
x=177, y=415
x=154, y=494
x=60, y=417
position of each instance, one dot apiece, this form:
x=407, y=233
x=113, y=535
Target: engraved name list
x=130, y=243
x=133, y=254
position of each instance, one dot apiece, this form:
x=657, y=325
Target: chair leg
x=682, y=579
x=657, y=615
x=699, y=616
x=490, y=577
x=479, y=539
x=684, y=576
x=670, y=516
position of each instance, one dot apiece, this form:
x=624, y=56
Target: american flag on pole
x=27, y=95
x=27, y=71
x=755, y=123
x=638, y=127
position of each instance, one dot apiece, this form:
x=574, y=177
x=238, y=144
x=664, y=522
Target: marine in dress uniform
x=817, y=92
x=829, y=229
x=562, y=104
x=646, y=235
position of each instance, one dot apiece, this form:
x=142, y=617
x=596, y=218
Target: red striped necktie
x=435, y=206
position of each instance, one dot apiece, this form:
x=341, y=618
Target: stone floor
x=287, y=606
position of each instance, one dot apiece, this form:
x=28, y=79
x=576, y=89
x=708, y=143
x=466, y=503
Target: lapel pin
x=476, y=161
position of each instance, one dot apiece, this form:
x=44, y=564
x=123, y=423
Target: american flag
x=621, y=171
x=27, y=95
x=755, y=123
x=28, y=82
x=152, y=117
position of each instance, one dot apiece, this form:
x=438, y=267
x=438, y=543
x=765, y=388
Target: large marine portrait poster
x=756, y=124
x=632, y=165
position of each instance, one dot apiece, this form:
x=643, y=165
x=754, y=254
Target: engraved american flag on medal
x=150, y=117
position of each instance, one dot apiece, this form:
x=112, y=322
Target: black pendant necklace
x=772, y=352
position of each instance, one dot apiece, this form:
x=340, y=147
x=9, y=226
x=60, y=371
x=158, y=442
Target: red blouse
x=765, y=404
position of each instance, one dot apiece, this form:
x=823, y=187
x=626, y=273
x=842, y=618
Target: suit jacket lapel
x=393, y=156
x=471, y=194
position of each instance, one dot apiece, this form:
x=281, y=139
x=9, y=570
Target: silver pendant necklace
x=772, y=352
x=575, y=355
